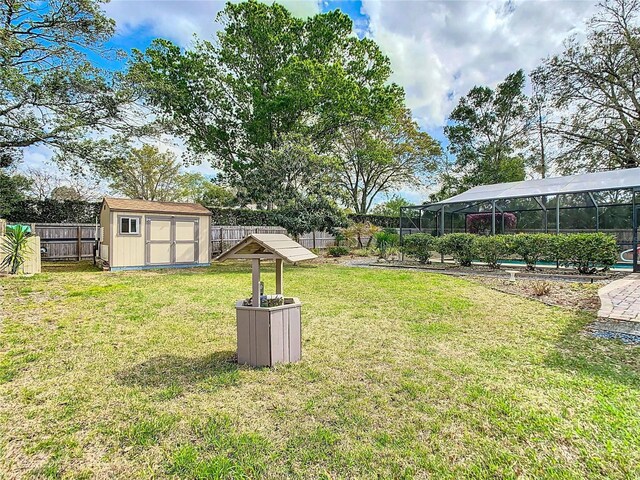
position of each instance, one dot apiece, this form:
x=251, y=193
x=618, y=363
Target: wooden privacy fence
x=76, y=241
x=317, y=239
x=66, y=241
x=224, y=237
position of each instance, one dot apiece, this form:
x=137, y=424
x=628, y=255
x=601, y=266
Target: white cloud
x=439, y=50
x=38, y=156
x=176, y=20
x=179, y=20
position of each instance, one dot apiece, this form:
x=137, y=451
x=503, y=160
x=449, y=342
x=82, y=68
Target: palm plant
x=14, y=248
x=386, y=241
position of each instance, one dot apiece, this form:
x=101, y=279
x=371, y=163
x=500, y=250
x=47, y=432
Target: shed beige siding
x=127, y=251
x=130, y=250
x=205, y=239
x=105, y=223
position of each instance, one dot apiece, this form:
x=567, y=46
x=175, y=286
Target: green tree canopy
x=487, y=134
x=391, y=207
x=268, y=81
x=381, y=157
x=50, y=93
x=595, y=89
x=148, y=174
x=12, y=190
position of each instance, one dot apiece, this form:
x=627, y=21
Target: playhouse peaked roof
x=268, y=245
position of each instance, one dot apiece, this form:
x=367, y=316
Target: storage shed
x=141, y=234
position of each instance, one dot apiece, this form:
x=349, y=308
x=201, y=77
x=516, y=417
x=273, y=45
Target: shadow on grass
x=213, y=371
x=582, y=355
x=69, y=267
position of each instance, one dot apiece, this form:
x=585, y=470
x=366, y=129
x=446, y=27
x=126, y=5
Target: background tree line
x=582, y=115
x=296, y=115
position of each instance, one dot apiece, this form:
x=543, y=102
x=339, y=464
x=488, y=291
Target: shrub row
x=53, y=211
x=587, y=252
x=243, y=216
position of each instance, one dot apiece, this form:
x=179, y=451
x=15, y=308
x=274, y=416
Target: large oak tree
x=267, y=81
x=487, y=134
x=50, y=92
x=595, y=88
x=383, y=157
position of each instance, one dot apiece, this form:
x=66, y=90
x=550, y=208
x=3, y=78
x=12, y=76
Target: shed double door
x=171, y=240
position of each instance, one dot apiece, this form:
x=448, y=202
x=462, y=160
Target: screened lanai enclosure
x=605, y=202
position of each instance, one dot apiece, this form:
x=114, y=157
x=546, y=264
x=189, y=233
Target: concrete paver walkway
x=620, y=300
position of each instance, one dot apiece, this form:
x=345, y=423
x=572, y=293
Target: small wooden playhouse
x=140, y=234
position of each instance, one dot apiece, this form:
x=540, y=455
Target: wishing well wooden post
x=279, y=272
x=268, y=326
x=255, y=282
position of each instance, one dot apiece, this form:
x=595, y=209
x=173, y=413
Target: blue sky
x=438, y=49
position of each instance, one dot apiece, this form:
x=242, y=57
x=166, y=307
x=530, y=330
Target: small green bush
x=586, y=251
x=490, y=249
x=439, y=246
x=461, y=246
x=338, y=251
x=531, y=247
x=419, y=245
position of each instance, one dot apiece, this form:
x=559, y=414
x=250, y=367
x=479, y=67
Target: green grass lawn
x=404, y=375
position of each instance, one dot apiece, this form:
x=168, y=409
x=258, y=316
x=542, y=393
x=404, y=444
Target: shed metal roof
x=133, y=205
x=586, y=182
x=268, y=245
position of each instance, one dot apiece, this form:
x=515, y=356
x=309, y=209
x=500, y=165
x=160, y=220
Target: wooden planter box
x=269, y=335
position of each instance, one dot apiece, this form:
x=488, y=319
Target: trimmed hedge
x=419, y=245
x=491, y=249
x=243, y=216
x=532, y=247
x=586, y=252
x=54, y=211
x=461, y=246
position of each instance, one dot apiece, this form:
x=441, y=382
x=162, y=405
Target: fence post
x=79, y=242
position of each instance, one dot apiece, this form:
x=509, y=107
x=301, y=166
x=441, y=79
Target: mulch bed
x=582, y=296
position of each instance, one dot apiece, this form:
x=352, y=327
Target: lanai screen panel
x=587, y=182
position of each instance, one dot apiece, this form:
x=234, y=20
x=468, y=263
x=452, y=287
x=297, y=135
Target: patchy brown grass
x=404, y=374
